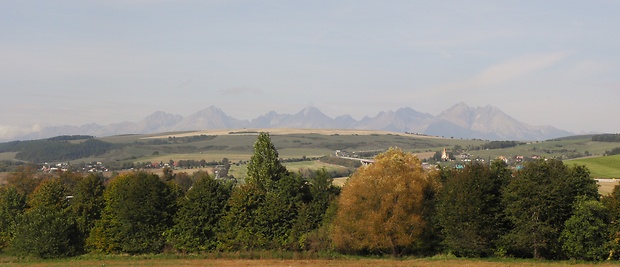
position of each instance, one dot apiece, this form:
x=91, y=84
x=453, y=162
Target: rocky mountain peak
x=460, y=121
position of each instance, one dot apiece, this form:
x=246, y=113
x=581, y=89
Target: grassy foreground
x=167, y=260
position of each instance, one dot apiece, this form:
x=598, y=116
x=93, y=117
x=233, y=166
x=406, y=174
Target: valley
x=301, y=149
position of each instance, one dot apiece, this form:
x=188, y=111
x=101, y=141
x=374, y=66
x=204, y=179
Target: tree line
x=56, y=149
x=606, y=137
x=391, y=207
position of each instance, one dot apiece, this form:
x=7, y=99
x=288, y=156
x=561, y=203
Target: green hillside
x=600, y=167
x=294, y=145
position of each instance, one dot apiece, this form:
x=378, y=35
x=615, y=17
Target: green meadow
x=600, y=167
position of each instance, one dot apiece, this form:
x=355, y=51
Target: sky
x=76, y=62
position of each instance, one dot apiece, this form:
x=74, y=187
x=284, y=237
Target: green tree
x=198, y=219
x=321, y=193
x=259, y=219
x=46, y=229
x=241, y=229
x=383, y=207
x=69, y=180
x=469, y=213
x=586, y=232
x=538, y=202
x=12, y=205
x=50, y=193
x=139, y=209
x=264, y=168
x=263, y=210
x=612, y=204
x=87, y=203
x=278, y=212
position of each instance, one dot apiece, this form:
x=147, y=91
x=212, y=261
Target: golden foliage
x=382, y=206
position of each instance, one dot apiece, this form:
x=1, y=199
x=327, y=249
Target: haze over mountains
x=459, y=121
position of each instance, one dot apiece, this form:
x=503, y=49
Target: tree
x=168, y=173
x=49, y=194
x=69, y=180
x=46, y=229
x=263, y=210
x=260, y=219
x=87, y=203
x=278, y=212
x=198, y=219
x=585, y=233
x=24, y=179
x=538, y=202
x=264, y=168
x=241, y=229
x=183, y=180
x=138, y=209
x=612, y=204
x=383, y=206
x=12, y=205
x=468, y=213
x=320, y=193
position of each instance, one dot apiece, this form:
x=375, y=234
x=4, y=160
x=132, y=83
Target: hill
x=600, y=167
x=459, y=121
x=236, y=145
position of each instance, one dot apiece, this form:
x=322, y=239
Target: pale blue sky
x=74, y=62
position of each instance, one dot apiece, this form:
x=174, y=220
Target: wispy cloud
x=8, y=132
x=507, y=71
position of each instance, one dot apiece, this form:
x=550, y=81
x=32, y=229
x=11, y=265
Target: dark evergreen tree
x=469, y=212
x=263, y=210
x=264, y=168
x=538, y=202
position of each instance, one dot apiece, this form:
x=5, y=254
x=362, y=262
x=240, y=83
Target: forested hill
x=60, y=148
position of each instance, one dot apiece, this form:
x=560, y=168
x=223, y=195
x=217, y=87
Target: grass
x=280, y=259
x=600, y=167
x=311, y=165
x=208, y=156
x=7, y=155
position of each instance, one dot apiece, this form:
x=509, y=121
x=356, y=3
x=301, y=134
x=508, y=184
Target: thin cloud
x=8, y=132
x=507, y=71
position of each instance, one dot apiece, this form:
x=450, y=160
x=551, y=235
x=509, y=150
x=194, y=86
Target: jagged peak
x=310, y=110
x=488, y=121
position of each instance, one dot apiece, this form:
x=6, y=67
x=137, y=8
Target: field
x=294, y=144
x=440, y=261
x=606, y=186
x=607, y=167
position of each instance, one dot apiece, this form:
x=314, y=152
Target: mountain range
x=458, y=121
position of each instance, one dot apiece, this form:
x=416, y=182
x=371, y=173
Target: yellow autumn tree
x=383, y=206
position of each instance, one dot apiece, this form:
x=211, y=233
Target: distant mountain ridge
x=458, y=121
